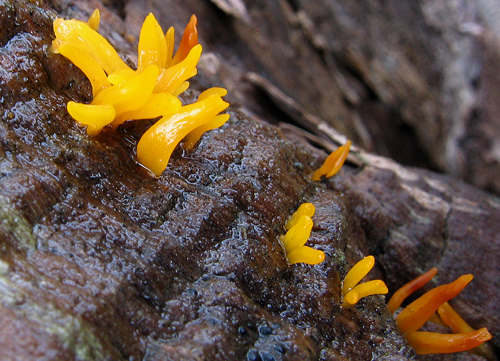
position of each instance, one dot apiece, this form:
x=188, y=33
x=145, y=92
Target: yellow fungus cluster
x=299, y=228
x=352, y=292
x=417, y=313
x=151, y=91
x=332, y=163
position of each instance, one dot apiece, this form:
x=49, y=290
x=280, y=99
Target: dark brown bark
x=101, y=261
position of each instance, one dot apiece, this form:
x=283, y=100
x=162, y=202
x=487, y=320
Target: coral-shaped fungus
x=352, y=292
x=417, y=313
x=299, y=228
x=333, y=162
x=151, y=91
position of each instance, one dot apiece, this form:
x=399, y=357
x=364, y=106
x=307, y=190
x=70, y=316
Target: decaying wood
x=101, y=261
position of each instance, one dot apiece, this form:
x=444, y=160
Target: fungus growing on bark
x=121, y=93
x=401, y=294
x=352, y=292
x=157, y=144
x=333, y=162
x=417, y=313
x=299, y=228
x=433, y=342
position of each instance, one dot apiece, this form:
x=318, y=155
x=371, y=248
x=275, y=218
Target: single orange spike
x=188, y=41
x=400, y=295
x=432, y=342
x=333, y=162
x=419, y=311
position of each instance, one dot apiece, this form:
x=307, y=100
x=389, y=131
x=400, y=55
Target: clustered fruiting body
x=417, y=313
x=151, y=91
x=414, y=315
x=352, y=292
x=299, y=228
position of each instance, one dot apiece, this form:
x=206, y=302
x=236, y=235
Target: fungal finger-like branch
x=95, y=117
x=158, y=142
x=424, y=309
x=152, y=47
x=94, y=20
x=305, y=254
x=452, y=319
x=352, y=292
x=298, y=235
x=418, y=312
x=132, y=93
x=174, y=76
x=305, y=209
x=333, y=162
x=375, y=287
x=432, y=342
x=88, y=65
x=160, y=104
x=401, y=294
x=192, y=138
x=188, y=41
x=356, y=274
x=88, y=40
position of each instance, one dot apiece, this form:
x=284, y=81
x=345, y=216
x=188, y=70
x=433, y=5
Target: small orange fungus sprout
x=352, y=292
x=417, y=313
x=299, y=228
x=333, y=162
x=121, y=93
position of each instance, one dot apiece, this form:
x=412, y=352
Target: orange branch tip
x=188, y=41
x=333, y=162
x=432, y=342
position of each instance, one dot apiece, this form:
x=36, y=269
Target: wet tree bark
x=101, y=261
